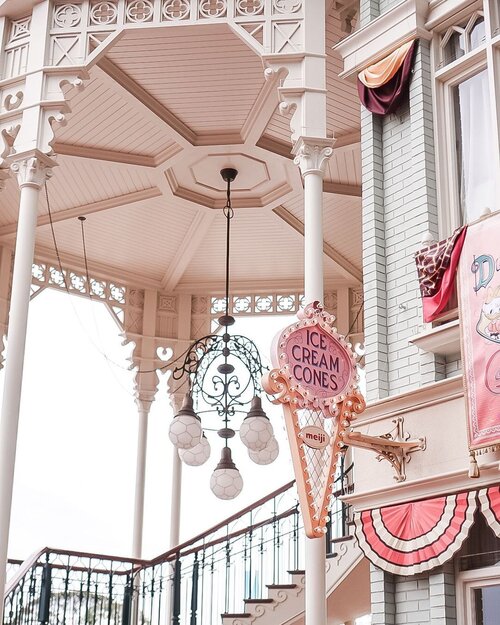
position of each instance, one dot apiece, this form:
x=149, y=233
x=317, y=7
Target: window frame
x=444, y=79
x=466, y=583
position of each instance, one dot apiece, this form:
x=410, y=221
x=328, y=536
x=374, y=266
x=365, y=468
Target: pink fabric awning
x=415, y=537
x=490, y=507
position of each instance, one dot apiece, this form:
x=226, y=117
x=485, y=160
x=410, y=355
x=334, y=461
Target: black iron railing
x=193, y=584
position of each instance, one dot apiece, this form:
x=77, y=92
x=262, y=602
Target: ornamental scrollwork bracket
x=396, y=446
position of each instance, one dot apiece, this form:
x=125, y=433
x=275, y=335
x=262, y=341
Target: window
x=486, y=601
x=475, y=157
x=467, y=115
x=479, y=597
x=478, y=576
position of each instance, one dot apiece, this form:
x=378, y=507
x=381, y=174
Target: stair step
x=259, y=600
x=281, y=586
x=236, y=615
x=342, y=539
x=298, y=572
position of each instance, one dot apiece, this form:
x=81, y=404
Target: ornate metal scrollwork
x=225, y=393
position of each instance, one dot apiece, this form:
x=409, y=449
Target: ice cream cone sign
x=315, y=378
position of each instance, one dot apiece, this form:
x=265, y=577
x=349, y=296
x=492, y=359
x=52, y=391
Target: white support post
x=184, y=311
x=311, y=156
x=32, y=170
x=5, y=272
x=140, y=478
x=146, y=384
x=175, y=501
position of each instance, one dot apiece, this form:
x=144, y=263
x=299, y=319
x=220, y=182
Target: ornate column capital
x=312, y=153
x=31, y=168
x=146, y=386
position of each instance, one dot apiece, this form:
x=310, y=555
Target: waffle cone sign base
x=315, y=379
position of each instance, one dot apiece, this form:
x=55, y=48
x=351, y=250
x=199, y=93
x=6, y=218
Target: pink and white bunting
x=490, y=507
x=414, y=537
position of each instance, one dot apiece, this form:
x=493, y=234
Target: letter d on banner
x=316, y=381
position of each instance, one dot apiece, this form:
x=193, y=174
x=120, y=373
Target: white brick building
x=414, y=164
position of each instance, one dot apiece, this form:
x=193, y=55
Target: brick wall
x=371, y=9
x=385, y=5
x=453, y=365
x=399, y=206
x=426, y=599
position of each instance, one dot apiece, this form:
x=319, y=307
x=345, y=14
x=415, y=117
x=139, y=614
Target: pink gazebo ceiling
x=141, y=153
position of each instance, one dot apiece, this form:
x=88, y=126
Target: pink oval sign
x=318, y=362
x=314, y=436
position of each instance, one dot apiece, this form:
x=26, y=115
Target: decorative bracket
x=395, y=446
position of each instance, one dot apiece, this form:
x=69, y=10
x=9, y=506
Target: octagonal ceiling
x=141, y=155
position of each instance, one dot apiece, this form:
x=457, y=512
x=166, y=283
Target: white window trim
x=444, y=79
x=466, y=583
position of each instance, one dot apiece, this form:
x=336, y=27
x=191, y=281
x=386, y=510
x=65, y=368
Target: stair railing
x=192, y=584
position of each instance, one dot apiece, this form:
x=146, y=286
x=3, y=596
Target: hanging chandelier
x=223, y=372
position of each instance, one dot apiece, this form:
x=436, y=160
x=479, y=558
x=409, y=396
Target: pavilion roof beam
x=347, y=141
x=337, y=188
x=143, y=101
x=99, y=154
x=347, y=269
x=86, y=209
x=187, y=249
x=263, y=108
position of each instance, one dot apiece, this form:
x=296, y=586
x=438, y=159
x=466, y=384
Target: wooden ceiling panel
x=205, y=75
x=263, y=248
x=341, y=223
x=343, y=107
x=101, y=119
x=144, y=238
x=9, y=202
x=344, y=166
x=273, y=252
x=78, y=182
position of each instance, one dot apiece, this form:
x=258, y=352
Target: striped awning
x=415, y=537
x=490, y=507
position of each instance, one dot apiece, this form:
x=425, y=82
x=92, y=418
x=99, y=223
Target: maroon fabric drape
x=387, y=98
x=437, y=267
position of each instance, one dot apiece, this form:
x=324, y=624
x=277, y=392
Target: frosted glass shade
x=198, y=455
x=185, y=428
x=256, y=430
x=185, y=431
x=266, y=455
x=226, y=481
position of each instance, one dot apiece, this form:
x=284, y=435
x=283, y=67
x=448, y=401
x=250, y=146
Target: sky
x=75, y=467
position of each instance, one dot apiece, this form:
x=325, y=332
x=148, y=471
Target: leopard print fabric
x=433, y=261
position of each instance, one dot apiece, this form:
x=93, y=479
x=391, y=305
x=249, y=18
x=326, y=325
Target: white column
x=32, y=170
x=140, y=477
x=311, y=156
x=146, y=386
x=184, y=312
x=175, y=503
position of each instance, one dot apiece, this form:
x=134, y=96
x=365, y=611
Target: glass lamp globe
x=226, y=481
x=266, y=455
x=185, y=428
x=256, y=430
x=198, y=455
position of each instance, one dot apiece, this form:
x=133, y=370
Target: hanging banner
x=479, y=273
x=315, y=379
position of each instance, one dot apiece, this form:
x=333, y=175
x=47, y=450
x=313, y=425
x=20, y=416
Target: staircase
x=245, y=570
x=285, y=602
